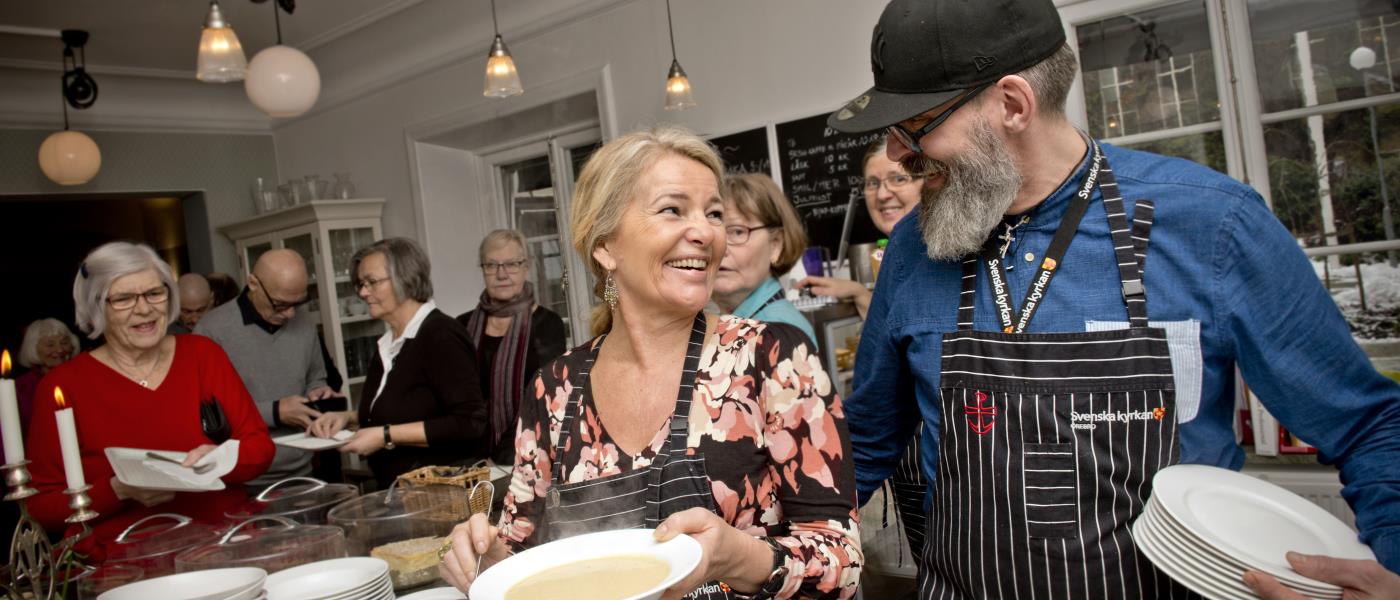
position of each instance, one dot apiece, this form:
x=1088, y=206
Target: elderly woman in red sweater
x=140, y=389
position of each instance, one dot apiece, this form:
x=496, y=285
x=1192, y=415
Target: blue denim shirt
x=1217, y=256
x=779, y=311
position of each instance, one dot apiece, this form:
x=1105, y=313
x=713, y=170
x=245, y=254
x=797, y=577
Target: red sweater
x=113, y=411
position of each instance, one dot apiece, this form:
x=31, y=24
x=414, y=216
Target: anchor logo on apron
x=980, y=417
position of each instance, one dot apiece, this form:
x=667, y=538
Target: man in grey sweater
x=277, y=352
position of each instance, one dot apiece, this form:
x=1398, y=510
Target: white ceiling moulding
x=386, y=9
x=343, y=88
x=57, y=67
x=13, y=119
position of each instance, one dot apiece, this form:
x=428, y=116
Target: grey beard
x=978, y=187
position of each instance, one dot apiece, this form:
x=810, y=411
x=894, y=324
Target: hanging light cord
x=277, y=18
x=64, y=102
x=494, y=25
x=669, y=30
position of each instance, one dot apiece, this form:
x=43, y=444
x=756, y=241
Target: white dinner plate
x=1153, y=549
x=682, y=553
x=1189, y=542
x=129, y=465
x=1231, y=575
x=311, y=443
x=1253, y=520
x=327, y=579
x=213, y=583
x=443, y=593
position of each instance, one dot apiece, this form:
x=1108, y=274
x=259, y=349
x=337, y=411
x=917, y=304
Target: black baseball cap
x=926, y=52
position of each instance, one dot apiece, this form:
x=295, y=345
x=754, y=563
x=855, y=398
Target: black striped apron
x=643, y=497
x=1049, y=441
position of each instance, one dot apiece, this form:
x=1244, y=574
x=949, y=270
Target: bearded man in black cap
x=1048, y=409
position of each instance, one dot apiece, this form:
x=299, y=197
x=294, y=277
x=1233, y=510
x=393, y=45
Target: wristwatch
x=776, y=578
x=388, y=439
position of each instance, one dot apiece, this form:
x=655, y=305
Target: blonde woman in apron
x=722, y=428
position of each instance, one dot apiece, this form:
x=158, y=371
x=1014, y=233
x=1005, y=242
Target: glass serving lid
x=301, y=499
x=286, y=544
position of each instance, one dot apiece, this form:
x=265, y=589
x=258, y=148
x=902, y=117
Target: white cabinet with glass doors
x=326, y=233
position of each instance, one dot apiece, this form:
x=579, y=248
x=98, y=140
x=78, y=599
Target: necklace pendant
x=144, y=384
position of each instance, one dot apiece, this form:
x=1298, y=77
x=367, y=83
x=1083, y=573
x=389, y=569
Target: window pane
x=1204, y=148
x=1303, y=50
x=1306, y=183
x=1148, y=71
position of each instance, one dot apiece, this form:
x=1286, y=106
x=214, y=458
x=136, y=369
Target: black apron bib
x=675, y=481
x=1049, y=441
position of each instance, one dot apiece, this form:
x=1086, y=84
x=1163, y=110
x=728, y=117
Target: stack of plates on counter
x=357, y=578
x=213, y=584
x=1205, y=526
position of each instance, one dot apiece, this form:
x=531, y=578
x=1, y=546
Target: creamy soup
x=607, y=578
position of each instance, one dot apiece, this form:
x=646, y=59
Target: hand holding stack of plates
x=1205, y=526
x=357, y=578
x=214, y=584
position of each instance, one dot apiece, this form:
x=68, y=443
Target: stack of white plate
x=213, y=584
x=1205, y=526
x=357, y=578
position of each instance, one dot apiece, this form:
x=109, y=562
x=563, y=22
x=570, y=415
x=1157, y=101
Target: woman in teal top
x=763, y=238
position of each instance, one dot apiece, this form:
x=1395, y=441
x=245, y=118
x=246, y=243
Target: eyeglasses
x=154, y=296
x=896, y=181
x=911, y=140
x=510, y=266
x=278, y=305
x=738, y=235
x=369, y=282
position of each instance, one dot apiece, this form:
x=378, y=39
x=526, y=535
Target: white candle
x=68, y=443
x=10, y=425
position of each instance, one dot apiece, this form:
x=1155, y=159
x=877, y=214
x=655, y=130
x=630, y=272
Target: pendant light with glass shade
x=282, y=81
x=71, y=157
x=502, y=80
x=221, y=58
x=678, y=96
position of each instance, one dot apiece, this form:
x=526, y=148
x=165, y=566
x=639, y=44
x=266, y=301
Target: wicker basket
x=463, y=477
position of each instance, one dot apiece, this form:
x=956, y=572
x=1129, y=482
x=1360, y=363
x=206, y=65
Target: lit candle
x=68, y=442
x=10, y=426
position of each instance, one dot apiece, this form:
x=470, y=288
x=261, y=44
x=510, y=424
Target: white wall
x=751, y=63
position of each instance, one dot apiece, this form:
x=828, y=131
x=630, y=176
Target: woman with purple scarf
x=513, y=334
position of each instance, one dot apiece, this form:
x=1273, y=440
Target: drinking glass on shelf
x=342, y=189
x=285, y=196
x=300, y=193
x=316, y=188
x=264, y=195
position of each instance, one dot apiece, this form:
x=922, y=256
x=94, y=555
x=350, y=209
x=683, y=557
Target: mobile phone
x=332, y=404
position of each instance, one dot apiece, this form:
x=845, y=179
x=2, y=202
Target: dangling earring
x=610, y=292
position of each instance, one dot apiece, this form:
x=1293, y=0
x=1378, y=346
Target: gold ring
x=443, y=550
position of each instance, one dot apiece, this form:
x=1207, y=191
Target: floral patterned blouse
x=772, y=431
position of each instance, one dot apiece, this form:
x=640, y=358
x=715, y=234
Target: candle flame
x=58, y=397
x=4, y=363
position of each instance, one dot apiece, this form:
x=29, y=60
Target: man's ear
x=1015, y=98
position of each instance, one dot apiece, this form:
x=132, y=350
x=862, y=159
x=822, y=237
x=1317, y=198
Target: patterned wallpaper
x=222, y=166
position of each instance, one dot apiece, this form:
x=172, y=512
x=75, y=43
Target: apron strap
x=1125, y=248
x=680, y=420
x=1142, y=232
x=967, y=299
x=574, y=406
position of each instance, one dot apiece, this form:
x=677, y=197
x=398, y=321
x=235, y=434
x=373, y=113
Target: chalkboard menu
x=822, y=170
x=745, y=152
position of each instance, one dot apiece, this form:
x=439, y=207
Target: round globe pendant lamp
x=282, y=81
x=71, y=157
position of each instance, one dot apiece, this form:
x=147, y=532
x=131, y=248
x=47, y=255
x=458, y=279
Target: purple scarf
x=508, y=364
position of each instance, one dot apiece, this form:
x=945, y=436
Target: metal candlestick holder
x=34, y=568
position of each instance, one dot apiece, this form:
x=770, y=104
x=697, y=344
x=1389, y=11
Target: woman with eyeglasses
x=764, y=238
x=421, y=404
x=890, y=194
x=140, y=389
x=512, y=333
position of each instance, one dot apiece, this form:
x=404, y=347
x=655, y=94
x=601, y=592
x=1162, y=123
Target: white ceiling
x=156, y=37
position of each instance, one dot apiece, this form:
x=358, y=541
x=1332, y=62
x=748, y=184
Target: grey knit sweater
x=273, y=365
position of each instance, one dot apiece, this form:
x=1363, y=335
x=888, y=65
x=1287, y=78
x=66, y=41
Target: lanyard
x=1069, y=225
